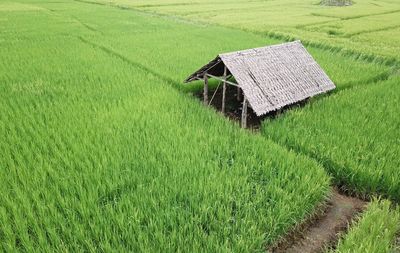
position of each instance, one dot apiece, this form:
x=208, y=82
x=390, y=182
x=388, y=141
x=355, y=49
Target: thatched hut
x=336, y=2
x=269, y=77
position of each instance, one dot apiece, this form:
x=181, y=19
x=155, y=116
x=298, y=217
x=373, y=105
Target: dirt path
x=323, y=231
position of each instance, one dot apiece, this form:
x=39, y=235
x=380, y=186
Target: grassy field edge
x=374, y=231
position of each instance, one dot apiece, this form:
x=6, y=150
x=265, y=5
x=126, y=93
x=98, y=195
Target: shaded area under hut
x=266, y=79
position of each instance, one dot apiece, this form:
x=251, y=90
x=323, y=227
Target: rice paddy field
x=103, y=148
x=366, y=28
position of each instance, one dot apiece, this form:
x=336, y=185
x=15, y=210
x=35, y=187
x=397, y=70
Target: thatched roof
x=336, y=2
x=271, y=77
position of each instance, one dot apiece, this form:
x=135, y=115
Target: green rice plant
x=368, y=24
x=306, y=20
x=374, y=231
x=353, y=133
x=186, y=47
x=379, y=46
x=101, y=153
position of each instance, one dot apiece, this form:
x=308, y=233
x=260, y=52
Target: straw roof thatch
x=336, y=2
x=271, y=77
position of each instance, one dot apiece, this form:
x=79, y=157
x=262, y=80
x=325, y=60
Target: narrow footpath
x=323, y=231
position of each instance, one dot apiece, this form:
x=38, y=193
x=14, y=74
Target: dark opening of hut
x=267, y=78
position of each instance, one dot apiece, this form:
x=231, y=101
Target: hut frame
x=224, y=80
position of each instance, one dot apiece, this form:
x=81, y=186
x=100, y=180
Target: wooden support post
x=244, y=113
x=224, y=91
x=238, y=93
x=205, y=93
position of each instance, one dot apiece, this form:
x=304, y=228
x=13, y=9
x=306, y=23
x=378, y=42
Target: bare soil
x=323, y=231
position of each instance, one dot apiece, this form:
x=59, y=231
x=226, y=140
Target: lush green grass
x=185, y=47
x=354, y=134
x=99, y=154
x=188, y=46
x=341, y=27
x=375, y=231
x=380, y=46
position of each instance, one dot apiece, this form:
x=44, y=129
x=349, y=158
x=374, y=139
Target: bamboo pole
x=205, y=93
x=278, y=112
x=244, y=113
x=221, y=79
x=224, y=91
x=238, y=93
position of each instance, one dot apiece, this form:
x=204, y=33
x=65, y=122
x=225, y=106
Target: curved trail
x=323, y=231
